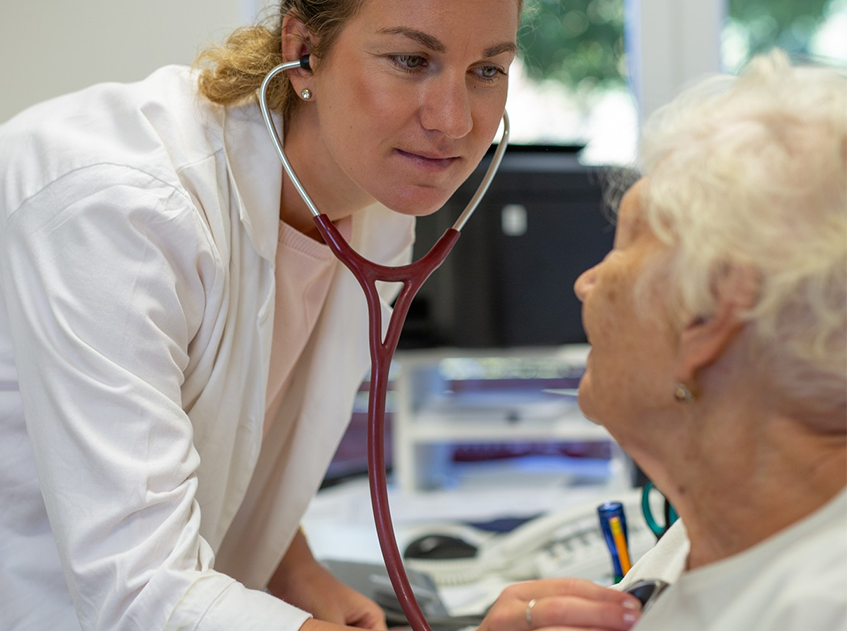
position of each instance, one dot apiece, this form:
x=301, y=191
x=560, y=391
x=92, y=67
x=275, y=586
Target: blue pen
x=606, y=511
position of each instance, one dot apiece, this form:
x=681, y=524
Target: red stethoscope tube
x=382, y=351
x=367, y=273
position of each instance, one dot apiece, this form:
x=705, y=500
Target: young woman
x=178, y=350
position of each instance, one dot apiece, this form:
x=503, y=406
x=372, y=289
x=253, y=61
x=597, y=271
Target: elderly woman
x=717, y=325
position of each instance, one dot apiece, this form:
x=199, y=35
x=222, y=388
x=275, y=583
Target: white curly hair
x=751, y=172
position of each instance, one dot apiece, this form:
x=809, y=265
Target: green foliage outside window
x=785, y=23
x=580, y=44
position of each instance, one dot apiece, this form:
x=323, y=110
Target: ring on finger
x=528, y=612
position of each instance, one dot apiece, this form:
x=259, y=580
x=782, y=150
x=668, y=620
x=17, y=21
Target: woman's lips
x=428, y=161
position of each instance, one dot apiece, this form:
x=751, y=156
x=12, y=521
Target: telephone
x=564, y=543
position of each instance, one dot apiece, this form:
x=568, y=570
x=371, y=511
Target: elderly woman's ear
x=705, y=337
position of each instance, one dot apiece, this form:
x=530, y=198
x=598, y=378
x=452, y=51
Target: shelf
x=457, y=429
x=452, y=397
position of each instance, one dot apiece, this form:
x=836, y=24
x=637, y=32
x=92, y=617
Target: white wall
x=49, y=47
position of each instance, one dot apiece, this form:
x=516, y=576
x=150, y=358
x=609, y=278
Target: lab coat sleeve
x=105, y=275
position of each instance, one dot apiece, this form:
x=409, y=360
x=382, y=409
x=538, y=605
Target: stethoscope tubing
x=368, y=273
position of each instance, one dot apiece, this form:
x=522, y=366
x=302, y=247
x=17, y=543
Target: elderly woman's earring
x=682, y=394
x=306, y=94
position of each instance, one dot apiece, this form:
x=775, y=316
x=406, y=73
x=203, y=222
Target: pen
x=619, y=553
x=620, y=544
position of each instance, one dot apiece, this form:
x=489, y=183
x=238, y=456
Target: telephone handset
x=564, y=543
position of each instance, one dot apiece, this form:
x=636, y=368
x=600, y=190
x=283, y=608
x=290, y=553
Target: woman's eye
x=409, y=62
x=489, y=72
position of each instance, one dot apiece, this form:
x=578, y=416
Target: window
x=568, y=86
x=812, y=30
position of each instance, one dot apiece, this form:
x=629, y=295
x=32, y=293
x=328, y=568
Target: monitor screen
x=509, y=280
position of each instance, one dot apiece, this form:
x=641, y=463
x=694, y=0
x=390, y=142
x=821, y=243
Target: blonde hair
x=232, y=73
x=751, y=172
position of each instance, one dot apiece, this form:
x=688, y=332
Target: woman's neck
x=752, y=479
x=332, y=191
x=294, y=211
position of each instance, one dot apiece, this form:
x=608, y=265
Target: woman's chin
x=582, y=395
x=585, y=398
x=414, y=209
x=417, y=201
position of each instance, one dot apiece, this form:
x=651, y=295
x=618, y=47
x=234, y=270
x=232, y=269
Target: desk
x=339, y=521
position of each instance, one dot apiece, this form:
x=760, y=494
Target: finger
x=573, y=629
x=579, y=612
x=528, y=590
x=377, y=623
x=373, y=624
x=370, y=622
x=370, y=618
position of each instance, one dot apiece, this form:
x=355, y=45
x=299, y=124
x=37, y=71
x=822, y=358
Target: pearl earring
x=682, y=394
x=306, y=94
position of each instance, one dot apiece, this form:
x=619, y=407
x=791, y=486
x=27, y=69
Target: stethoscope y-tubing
x=367, y=273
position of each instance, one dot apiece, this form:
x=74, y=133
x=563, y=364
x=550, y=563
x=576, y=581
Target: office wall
x=48, y=47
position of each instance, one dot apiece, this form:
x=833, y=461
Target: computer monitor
x=509, y=280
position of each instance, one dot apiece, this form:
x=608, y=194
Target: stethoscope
x=411, y=276
x=669, y=512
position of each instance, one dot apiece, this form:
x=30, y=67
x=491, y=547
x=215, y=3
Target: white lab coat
x=138, y=230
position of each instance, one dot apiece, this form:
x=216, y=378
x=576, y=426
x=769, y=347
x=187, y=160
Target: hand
x=330, y=600
x=303, y=582
x=563, y=603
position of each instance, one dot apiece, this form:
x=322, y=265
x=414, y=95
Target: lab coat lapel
x=257, y=176
x=302, y=440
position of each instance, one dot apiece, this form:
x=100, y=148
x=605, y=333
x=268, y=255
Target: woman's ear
x=296, y=42
x=703, y=339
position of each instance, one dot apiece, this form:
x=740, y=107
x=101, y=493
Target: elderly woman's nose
x=584, y=283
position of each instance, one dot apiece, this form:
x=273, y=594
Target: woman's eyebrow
x=433, y=43
x=436, y=45
x=498, y=49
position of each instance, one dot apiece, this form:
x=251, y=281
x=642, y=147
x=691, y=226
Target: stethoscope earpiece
x=304, y=63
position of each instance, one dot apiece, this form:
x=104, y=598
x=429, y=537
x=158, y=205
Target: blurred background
x=583, y=63
x=498, y=324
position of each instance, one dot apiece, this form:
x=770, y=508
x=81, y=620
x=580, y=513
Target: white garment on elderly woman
x=795, y=580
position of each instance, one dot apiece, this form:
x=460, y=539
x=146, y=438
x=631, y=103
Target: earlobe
x=702, y=342
x=704, y=338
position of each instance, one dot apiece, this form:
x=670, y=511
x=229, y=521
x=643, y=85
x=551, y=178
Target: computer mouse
x=439, y=546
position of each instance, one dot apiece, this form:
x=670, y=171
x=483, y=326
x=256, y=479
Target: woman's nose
x=447, y=107
x=584, y=283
